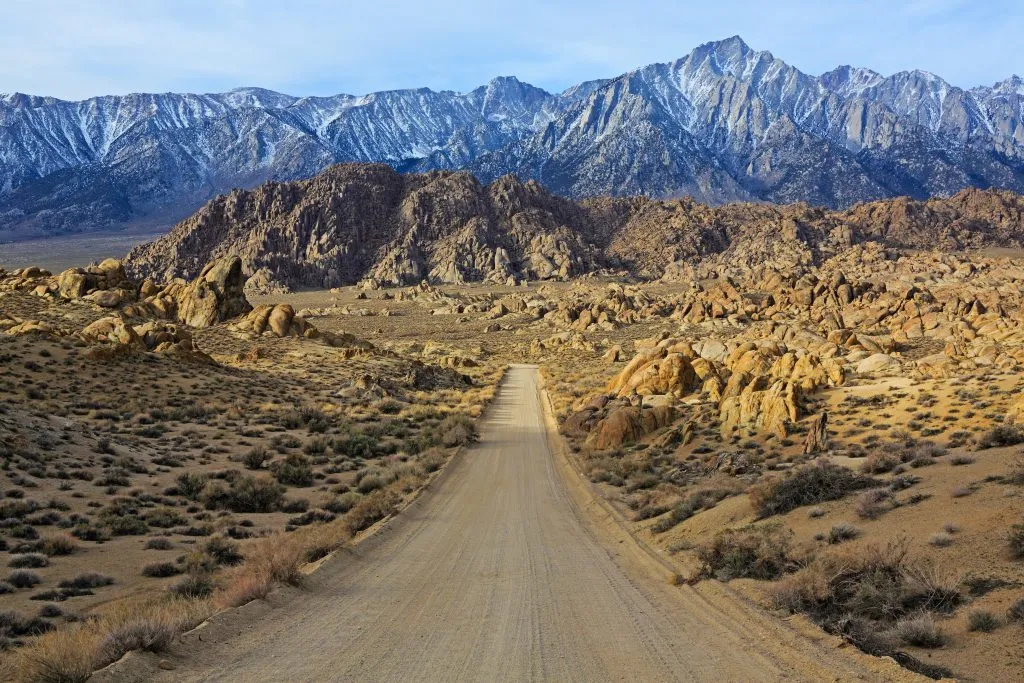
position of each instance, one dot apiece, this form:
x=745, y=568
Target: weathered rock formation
x=366, y=222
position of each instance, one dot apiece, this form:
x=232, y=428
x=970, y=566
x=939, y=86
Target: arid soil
x=151, y=461
x=497, y=577
x=838, y=446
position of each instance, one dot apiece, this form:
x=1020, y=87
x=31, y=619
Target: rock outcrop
x=278, y=321
x=367, y=223
x=217, y=294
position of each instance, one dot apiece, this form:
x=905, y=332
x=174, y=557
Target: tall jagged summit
x=724, y=123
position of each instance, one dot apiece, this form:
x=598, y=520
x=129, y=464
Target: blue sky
x=79, y=48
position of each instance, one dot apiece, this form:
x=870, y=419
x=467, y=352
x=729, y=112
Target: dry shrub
x=70, y=655
x=920, y=631
x=432, y=459
x=877, y=582
x=874, y=503
x=278, y=558
x=65, y=656
x=242, y=586
x=456, y=430
x=863, y=594
x=150, y=626
x=879, y=462
x=752, y=552
x=1001, y=435
x=1015, y=539
x=1016, y=474
x=319, y=540
x=1016, y=611
x=370, y=509
x=817, y=483
x=61, y=544
x=842, y=532
x=696, y=501
x=194, y=585
x=983, y=620
x=271, y=561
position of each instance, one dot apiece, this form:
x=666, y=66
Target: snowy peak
x=731, y=56
x=256, y=97
x=723, y=122
x=1014, y=85
x=849, y=81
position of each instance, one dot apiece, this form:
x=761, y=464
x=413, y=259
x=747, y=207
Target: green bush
x=245, y=494
x=295, y=470
x=455, y=430
x=255, y=458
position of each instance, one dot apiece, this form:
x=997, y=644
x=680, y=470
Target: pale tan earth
x=498, y=576
x=952, y=331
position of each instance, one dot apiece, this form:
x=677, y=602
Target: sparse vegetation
x=982, y=620
x=754, y=552
x=215, y=495
x=1001, y=436
x=809, y=485
x=873, y=596
x=1015, y=539
x=842, y=532
x=920, y=631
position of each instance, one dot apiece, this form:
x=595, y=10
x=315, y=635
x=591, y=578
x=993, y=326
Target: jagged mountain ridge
x=367, y=221
x=724, y=123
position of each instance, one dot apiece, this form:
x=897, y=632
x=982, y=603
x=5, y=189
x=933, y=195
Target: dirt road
x=498, y=576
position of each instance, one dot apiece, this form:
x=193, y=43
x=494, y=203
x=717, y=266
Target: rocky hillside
x=724, y=123
x=367, y=222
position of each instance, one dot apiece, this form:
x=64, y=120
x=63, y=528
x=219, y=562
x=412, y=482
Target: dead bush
x=1015, y=539
x=920, y=631
x=817, y=483
x=754, y=552
x=278, y=558
x=874, y=503
x=370, y=509
x=1001, y=436
x=864, y=593
x=65, y=656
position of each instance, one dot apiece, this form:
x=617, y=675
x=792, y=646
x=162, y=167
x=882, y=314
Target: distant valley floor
x=58, y=253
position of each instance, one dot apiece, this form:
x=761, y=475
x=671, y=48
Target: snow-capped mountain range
x=724, y=123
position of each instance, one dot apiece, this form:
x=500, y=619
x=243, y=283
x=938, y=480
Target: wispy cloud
x=78, y=48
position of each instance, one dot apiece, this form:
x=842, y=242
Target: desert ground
x=833, y=464
x=67, y=251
